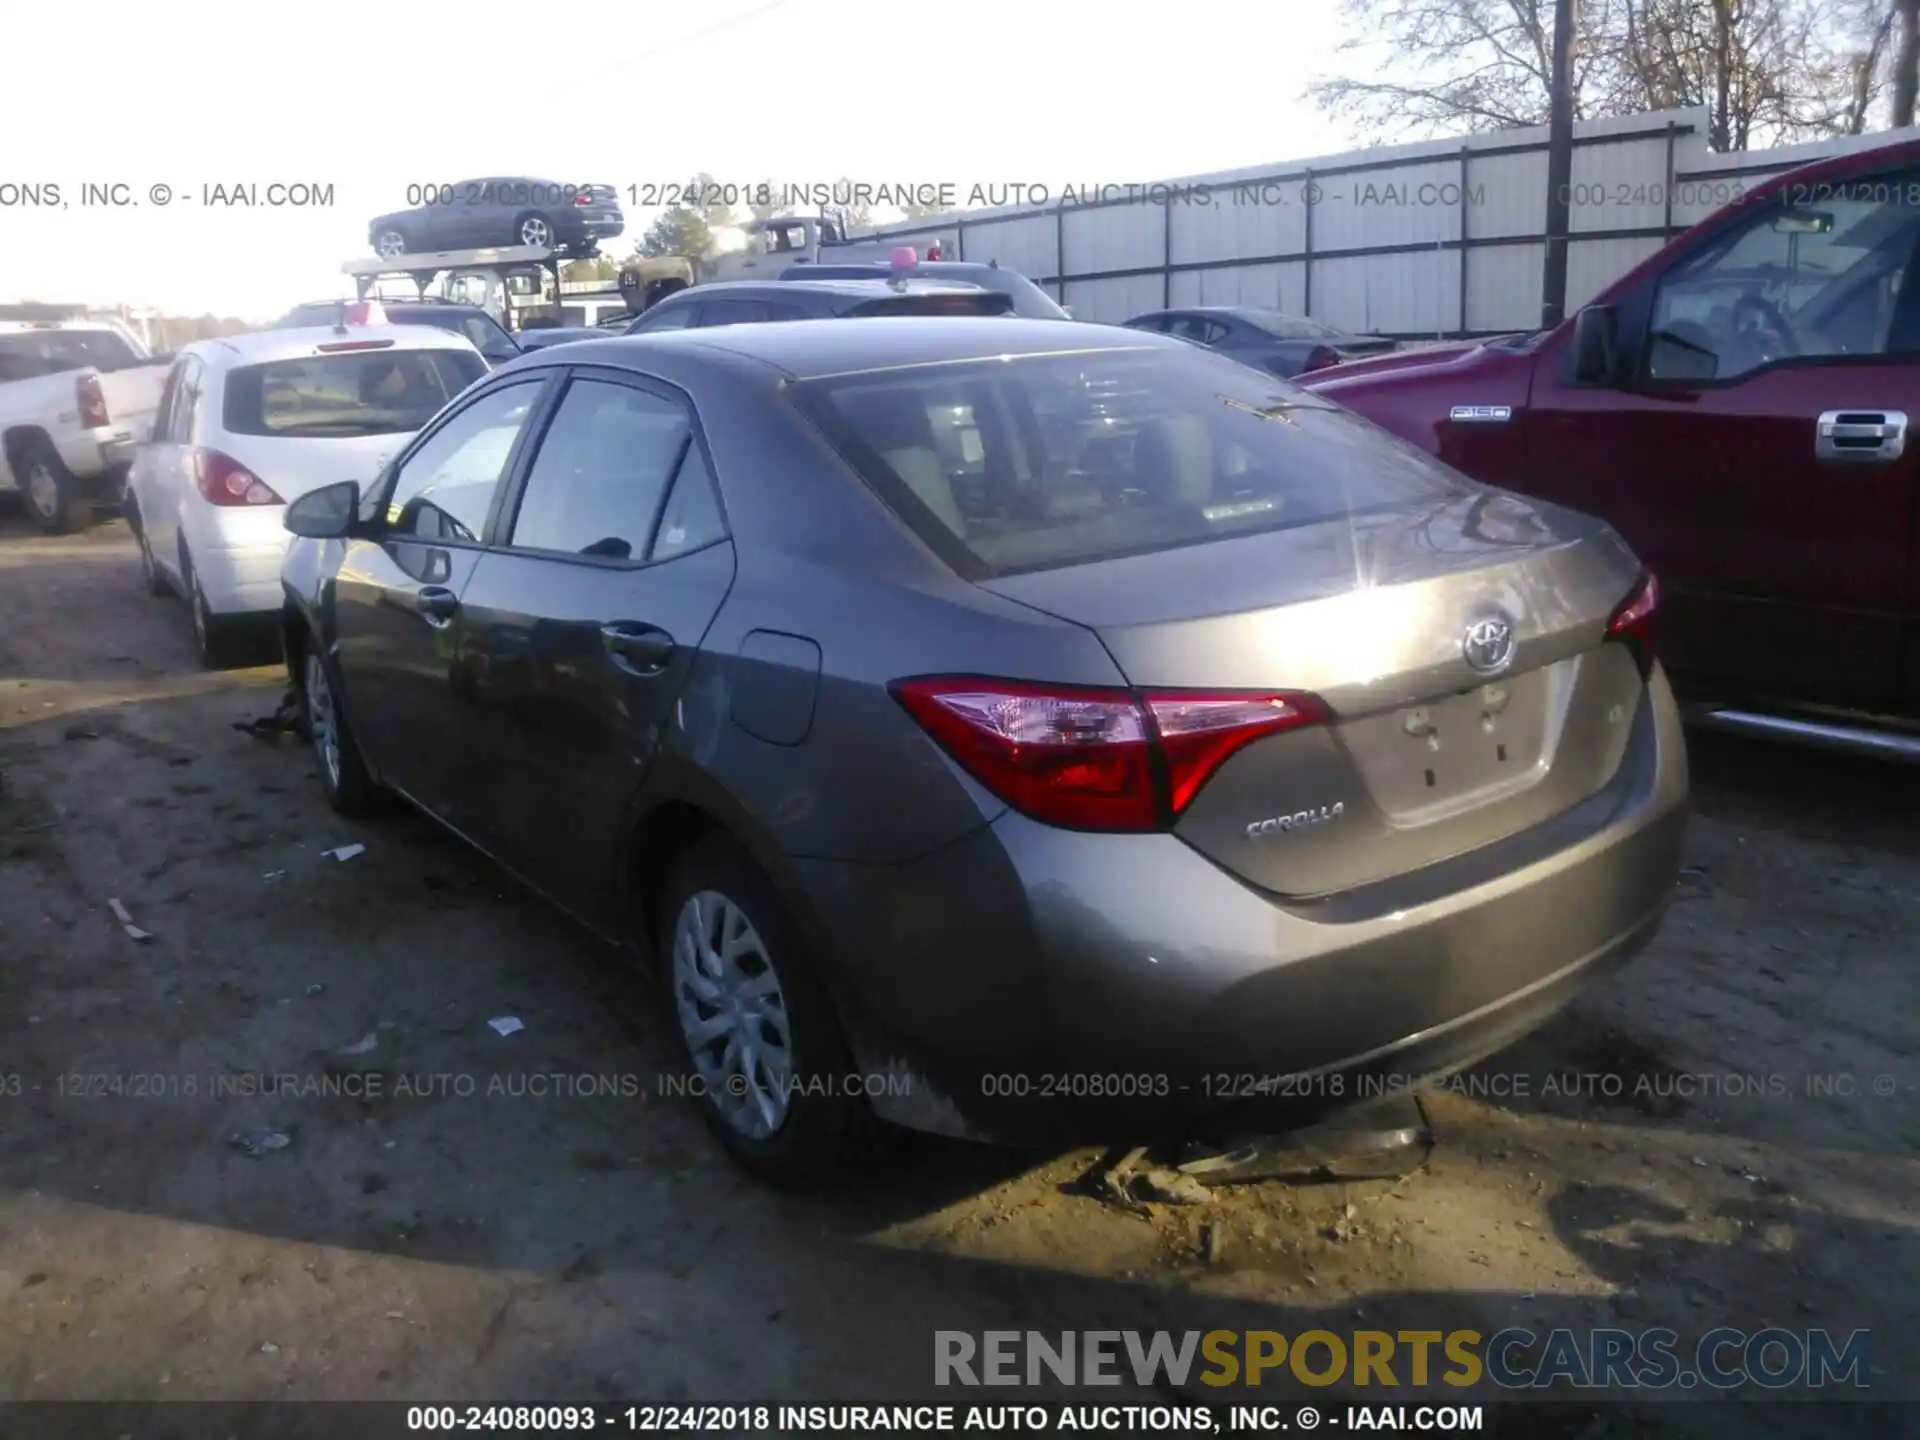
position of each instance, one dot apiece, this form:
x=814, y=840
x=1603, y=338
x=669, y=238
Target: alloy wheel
x=391, y=245
x=321, y=721
x=733, y=1014
x=534, y=230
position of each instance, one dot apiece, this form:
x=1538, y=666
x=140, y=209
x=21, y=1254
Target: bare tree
x=1906, y=65
x=1472, y=64
x=1764, y=69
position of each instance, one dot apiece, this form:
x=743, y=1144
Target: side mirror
x=1595, y=356
x=327, y=513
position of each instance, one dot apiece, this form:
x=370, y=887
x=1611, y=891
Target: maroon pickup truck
x=1737, y=407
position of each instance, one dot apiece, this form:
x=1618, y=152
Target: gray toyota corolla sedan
x=1018, y=729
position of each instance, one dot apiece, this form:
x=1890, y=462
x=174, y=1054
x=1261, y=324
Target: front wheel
x=349, y=789
x=390, y=244
x=764, y=1051
x=58, y=502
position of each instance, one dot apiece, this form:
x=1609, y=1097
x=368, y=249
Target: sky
x=164, y=102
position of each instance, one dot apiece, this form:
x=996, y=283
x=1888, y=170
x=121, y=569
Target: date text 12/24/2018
x=833, y=1419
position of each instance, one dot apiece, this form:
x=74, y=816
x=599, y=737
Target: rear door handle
x=436, y=604
x=1860, y=435
x=638, y=648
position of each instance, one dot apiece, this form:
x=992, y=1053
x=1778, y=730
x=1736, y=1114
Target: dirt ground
x=533, y=1240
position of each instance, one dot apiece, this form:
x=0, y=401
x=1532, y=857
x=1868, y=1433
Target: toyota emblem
x=1488, y=644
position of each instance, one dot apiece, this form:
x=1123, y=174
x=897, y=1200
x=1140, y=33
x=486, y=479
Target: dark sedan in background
x=1028, y=298
x=947, y=709
x=747, y=302
x=471, y=214
x=1270, y=340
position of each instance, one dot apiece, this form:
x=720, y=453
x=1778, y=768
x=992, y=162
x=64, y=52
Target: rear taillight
x=225, y=481
x=93, y=403
x=1633, y=622
x=1086, y=759
x=582, y=198
x=1321, y=357
x=363, y=313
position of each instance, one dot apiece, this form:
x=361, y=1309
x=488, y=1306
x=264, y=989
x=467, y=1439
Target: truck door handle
x=638, y=648
x=436, y=604
x=1860, y=435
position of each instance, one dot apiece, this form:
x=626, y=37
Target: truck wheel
x=533, y=228
x=390, y=244
x=57, y=501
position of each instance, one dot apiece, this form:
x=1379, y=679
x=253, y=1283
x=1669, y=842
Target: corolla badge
x=1299, y=820
x=1488, y=644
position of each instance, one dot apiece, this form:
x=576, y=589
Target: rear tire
x=755, y=1027
x=390, y=244
x=213, y=638
x=156, y=582
x=349, y=787
x=534, y=228
x=58, y=503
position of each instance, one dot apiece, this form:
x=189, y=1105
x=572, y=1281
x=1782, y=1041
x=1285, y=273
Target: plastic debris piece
x=506, y=1025
x=262, y=1140
x=274, y=877
x=365, y=1045
x=134, y=932
x=342, y=852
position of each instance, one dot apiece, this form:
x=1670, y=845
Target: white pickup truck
x=76, y=397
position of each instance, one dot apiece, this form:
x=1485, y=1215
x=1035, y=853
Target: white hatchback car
x=250, y=423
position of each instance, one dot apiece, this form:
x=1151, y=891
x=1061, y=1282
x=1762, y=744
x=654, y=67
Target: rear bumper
x=237, y=556
x=1031, y=984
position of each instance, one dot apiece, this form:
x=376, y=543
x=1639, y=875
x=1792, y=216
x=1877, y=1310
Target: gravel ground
x=1726, y=1135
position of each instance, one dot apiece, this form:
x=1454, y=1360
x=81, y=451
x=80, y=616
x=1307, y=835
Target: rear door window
x=597, y=483
x=1041, y=461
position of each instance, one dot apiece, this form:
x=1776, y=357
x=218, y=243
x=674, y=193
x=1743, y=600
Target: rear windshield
x=365, y=392
x=32, y=353
x=1292, y=327
x=982, y=302
x=1037, y=462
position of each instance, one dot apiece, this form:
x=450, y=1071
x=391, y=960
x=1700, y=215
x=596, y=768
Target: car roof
x=259, y=347
x=808, y=350
x=875, y=288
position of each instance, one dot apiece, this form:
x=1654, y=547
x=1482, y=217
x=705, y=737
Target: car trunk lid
x=1426, y=754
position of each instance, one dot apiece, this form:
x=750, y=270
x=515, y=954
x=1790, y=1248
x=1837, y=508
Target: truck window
x=1801, y=280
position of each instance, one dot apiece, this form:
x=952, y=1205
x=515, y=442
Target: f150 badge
x=1481, y=414
x=1299, y=820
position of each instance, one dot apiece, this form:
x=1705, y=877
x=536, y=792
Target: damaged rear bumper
x=1029, y=985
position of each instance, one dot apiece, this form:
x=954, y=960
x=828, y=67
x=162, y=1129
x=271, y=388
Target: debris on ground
x=274, y=877
x=283, y=721
x=342, y=852
x=506, y=1025
x=1213, y=1243
x=315, y=989
x=1388, y=1140
x=82, y=732
x=134, y=932
x=262, y=1140
x=1134, y=1182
